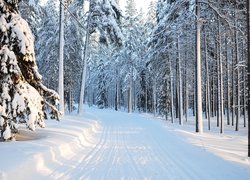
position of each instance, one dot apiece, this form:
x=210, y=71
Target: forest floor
x=105, y=144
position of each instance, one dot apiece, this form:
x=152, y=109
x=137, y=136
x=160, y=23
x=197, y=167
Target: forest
x=178, y=59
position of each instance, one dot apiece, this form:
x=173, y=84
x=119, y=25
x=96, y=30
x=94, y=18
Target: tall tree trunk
x=233, y=89
x=186, y=91
x=134, y=99
x=154, y=96
x=194, y=85
x=244, y=83
x=221, y=81
x=244, y=96
x=130, y=91
x=199, y=125
x=177, y=94
x=218, y=98
x=146, y=93
x=61, y=45
x=117, y=92
x=180, y=82
x=228, y=83
x=237, y=74
x=213, y=91
x=207, y=83
x=84, y=71
x=248, y=54
x=172, y=91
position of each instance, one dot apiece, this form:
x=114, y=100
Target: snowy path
x=112, y=145
x=131, y=146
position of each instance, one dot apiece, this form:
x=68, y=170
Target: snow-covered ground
x=230, y=145
x=104, y=144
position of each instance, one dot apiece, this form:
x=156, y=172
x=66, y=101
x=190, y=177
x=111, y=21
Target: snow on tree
x=47, y=46
x=32, y=12
x=23, y=97
x=105, y=17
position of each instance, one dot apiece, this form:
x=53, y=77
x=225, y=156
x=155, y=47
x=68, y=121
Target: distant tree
x=199, y=124
x=47, y=46
x=102, y=94
x=23, y=97
x=104, y=18
x=33, y=13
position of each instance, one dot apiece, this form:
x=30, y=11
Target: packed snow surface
x=104, y=144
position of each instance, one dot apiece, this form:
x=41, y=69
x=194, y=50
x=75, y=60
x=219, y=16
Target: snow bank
x=230, y=145
x=35, y=155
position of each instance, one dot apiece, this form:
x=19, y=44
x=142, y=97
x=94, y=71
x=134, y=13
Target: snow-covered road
x=131, y=146
x=119, y=145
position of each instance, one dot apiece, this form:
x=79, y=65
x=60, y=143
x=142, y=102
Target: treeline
x=153, y=69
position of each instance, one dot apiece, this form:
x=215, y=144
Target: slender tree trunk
x=207, y=83
x=154, y=96
x=134, y=99
x=213, y=92
x=117, y=92
x=233, y=90
x=180, y=82
x=177, y=93
x=172, y=92
x=199, y=125
x=244, y=96
x=61, y=45
x=71, y=100
x=221, y=81
x=146, y=94
x=237, y=76
x=248, y=54
x=194, y=83
x=186, y=91
x=218, y=98
x=84, y=71
x=244, y=84
x=228, y=83
x=130, y=91
x=194, y=93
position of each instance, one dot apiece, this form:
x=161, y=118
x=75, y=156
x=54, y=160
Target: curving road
x=130, y=146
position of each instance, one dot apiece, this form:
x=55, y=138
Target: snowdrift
x=35, y=155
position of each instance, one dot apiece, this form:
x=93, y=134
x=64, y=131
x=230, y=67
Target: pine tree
x=47, y=46
x=33, y=13
x=105, y=16
x=102, y=100
x=199, y=124
x=23, y=97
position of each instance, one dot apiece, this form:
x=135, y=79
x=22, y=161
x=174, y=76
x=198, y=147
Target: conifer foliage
x=23, y=97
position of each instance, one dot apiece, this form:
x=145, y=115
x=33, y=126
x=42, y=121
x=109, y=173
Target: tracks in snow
x=130, y=146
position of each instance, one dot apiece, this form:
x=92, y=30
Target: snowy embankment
x=231, y=145
x=37, y=155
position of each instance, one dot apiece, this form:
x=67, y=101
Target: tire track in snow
x=135, y=147
x=113, y=154
x=174, y=164
x=88, y=163
x=133, y=162
x=87, y=154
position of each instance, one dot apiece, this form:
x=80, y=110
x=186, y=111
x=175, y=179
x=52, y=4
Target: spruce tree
x=23, y=97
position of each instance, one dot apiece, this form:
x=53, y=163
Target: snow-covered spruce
x=23, y=97
x=105, y=17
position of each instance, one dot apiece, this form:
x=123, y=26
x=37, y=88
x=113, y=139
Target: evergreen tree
x=105, y=17
x=102, y=100
x=47, y=45
x=33, y=13
x=23, y=97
